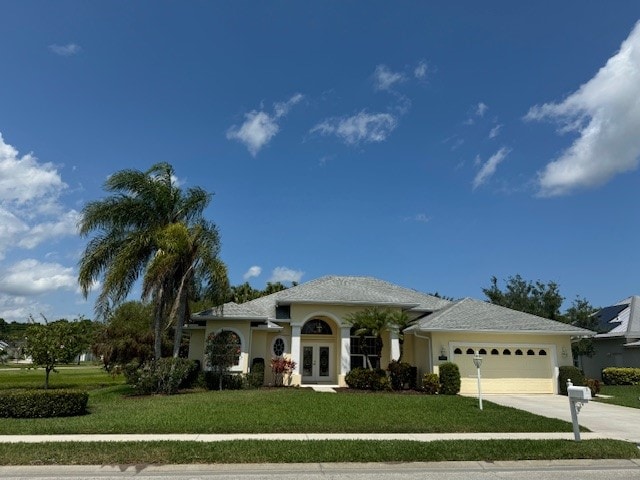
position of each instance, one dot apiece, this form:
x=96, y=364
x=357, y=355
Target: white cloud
x=65, y=50
x=605, y=111
x=384, y=78
x=31, y=277
x=362, y=127
x=23, y=179
x=420, y=72
x=495, y=131
x=254, y=271
x=29, y=208
x=420, y=218
x=481, y=108
x=260, y=127
x=63, y=226
x=284, y=274
x=489, y=168
x=282, y=108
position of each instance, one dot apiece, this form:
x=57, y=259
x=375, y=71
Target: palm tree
x=372, y=321
x=127, y=226
x=184, y=255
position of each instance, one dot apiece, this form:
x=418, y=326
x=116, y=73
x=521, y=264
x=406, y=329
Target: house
x=617, y=343
x=306, y=323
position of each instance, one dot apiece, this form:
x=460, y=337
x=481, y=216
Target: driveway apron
x=612, y=421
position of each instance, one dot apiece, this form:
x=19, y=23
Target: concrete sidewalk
x=418, y=437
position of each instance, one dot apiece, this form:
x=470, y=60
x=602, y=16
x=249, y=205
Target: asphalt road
x=531, y=470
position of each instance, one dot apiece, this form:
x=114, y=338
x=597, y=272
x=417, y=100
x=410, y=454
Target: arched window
x=279, y=347
x=495, y=352
x=542, y=352
x=530, y=352
x=506, y=351
x=457, y=351
x=518, y=352
x=470, y=351
x=316, y=327
x=482, y=351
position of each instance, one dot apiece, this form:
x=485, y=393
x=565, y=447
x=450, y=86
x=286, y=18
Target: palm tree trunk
x=157, y=325
x=179, y=309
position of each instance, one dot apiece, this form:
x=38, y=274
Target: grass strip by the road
x=162, y=453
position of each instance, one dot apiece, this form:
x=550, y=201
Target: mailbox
x=579, y=394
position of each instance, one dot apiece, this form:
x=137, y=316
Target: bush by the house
x=42, y=403
x=229, y=381
x=166, y=375
x=368, y=379
x=400, y=373
x=255, y=378
x=567, y=372
x=449, y=379
x=594, y=386
x=281, y=367
x=621, y=376
x=430, y=383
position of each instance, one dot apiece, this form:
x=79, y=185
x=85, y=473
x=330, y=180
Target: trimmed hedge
x=42, y=403
x=567, y=372
x=430, y=383
x=449, y=378
x=366, y=379
x=621, y=376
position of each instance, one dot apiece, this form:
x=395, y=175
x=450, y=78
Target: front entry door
x=317, y=363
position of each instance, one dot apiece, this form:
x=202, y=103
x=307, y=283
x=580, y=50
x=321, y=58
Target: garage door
x=506, y=369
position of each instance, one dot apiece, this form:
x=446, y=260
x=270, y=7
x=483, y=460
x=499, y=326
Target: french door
x=317, y=363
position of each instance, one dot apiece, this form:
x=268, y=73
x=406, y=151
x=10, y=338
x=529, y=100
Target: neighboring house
x=306, y=323
x=617, y=343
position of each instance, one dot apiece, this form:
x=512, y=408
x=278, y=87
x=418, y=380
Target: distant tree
x=243, y=293
x=581, y=314
x=51, y=344
x=536, y=298
x=127, y=337
x=444, y=297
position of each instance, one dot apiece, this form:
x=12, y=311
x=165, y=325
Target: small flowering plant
x=281, y=367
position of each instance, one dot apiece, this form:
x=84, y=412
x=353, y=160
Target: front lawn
x=291, y=410
x=624, y=395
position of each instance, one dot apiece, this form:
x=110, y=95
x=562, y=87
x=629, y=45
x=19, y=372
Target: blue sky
x=430, y=144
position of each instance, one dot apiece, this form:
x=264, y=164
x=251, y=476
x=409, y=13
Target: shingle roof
x=475, y=315
x=334, y=290
x=358, y=290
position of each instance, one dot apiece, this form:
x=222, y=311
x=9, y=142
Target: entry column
x=295, y=349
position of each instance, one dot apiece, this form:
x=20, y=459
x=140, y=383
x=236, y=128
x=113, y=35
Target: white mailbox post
x=477, y=361
x=578, y=396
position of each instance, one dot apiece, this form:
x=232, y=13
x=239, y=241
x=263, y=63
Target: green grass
x=140, y=453
x=84, y=377
x=284, y=410
x=624, y=395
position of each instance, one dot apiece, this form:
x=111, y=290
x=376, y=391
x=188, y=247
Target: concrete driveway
x=612, y=421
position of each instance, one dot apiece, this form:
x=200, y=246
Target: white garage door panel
x=506, y=373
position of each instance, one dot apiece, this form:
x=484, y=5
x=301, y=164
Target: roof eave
x=585, y=333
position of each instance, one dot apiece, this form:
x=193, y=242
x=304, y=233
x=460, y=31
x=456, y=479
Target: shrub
x=166, y=375
x=621, y=376
x=42, y=403
x=280, y=368
x=255, y=378
x=431, y=383
x=229, y=381
x=567, y=372
x=594, y=386
x=367, y=379
x=400, y=373
x=449, y=378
